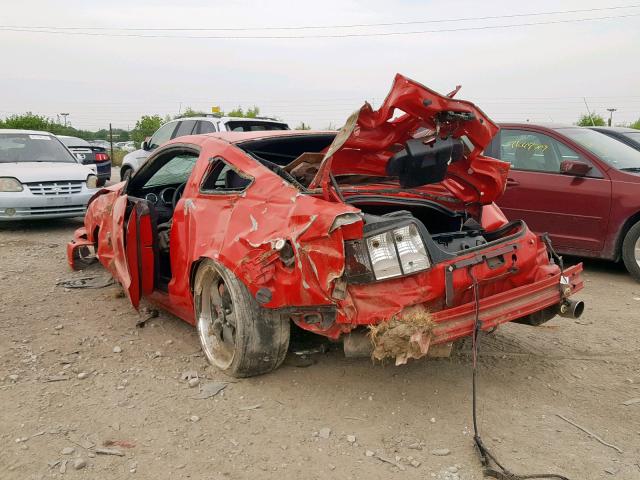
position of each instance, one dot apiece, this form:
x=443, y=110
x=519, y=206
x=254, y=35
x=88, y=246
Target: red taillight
x=102, y=157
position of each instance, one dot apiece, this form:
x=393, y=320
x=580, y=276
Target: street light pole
x=611, y=110
x=65, y=115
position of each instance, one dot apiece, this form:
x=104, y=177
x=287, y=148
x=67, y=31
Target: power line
x=315, y=27
x=293, y=37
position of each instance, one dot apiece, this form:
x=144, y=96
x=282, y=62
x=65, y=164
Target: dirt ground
x=65, y=392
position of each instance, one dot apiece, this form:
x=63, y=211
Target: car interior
x=161, y=184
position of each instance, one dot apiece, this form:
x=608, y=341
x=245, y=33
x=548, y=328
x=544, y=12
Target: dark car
x=94, y=156
x=629, y=136
x=580, y=186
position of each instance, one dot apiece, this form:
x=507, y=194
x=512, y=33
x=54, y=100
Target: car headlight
x=10, y=184
x=390, y=254
x=92, y=181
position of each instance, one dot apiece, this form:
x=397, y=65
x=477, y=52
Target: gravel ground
x=78, y=377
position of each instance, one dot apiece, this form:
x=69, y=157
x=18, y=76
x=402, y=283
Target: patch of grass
x=118, y=155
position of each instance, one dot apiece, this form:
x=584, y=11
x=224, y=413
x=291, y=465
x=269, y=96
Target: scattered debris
x=109, y=451
x=251, y=407
x=403, y=337
x=58, y=327
x=82, y=375
x=390, y=462
x=118, y=443
x=68, y=451
x=351, y=438
x=324, y=432
x=632, y=401
x=370, y=453
x=98, y=281
x=211, y=389
x=63, y=466
x=193, y=382
x=194, y=418
x=117, y=349
x=188, y=374
x=79, y=463
x=56, y=378
x=591, y=434
x=415, y=463
x=440, y=452
x=14, y=378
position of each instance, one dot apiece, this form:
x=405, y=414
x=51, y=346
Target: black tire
x=125, y=173
x=101, y=182
x=237, y=335
x=631, y=251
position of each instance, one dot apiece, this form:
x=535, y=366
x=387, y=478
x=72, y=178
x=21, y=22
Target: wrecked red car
x=385, y=235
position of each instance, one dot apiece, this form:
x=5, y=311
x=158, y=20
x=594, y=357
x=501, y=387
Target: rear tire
x=631, y=251
x=101, y=182
x=237, y=335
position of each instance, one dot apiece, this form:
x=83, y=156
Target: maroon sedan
x=580, y=186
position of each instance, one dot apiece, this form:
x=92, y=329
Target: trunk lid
x=420, y=140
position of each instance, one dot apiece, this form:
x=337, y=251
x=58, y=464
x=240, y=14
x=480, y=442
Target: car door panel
x=134, y=248
x=573, y=210
x=555, y=204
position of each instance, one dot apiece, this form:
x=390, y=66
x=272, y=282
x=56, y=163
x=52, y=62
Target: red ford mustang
x=387, y=228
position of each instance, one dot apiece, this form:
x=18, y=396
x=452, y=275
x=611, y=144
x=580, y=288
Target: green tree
x=28, y=121
x=592, y=120
x=239, y=112
x=635, y=124
x=145, y=127
x=190, y=112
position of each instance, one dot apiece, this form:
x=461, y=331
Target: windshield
x=74, y=142
x=24, y=147
x=632, y=135
x=608, y=149
x=254, y=126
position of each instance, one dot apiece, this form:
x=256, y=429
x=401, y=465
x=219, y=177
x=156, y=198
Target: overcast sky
x=538, y=72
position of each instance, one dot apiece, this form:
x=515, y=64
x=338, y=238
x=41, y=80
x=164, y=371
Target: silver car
x=40, y=177
x=194, y=126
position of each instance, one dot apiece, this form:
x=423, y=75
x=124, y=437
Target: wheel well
x=630, y=222
x=192, y=272
x=123, y=169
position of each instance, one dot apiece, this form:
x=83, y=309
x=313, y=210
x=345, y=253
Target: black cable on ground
x=486, y=457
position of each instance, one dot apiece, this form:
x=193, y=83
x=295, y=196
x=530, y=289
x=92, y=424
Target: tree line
x=148, y=124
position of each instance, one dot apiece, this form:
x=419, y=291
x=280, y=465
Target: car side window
x=222, y=178
x=537, y=152
x=162, y=135
x=185, y=127
x=205, y=127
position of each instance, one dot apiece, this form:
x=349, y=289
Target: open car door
x=134, y=246
x=140, y=251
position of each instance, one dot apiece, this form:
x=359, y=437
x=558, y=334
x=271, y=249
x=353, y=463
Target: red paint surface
x=240, y=230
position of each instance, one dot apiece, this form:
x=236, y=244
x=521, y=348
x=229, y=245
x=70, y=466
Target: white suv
x=194, y=126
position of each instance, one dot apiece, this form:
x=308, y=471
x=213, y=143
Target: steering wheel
x=177, y=194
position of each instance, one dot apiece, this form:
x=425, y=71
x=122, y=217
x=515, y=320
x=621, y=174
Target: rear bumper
x=458, y=322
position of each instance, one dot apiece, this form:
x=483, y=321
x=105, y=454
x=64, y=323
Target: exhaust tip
x=572, y=308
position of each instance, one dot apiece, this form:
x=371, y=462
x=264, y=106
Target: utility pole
x=111, y=140
x=611, y=110
x=65, y=115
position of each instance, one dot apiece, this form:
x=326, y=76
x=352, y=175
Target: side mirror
x=145, y=145
x=575, y=168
